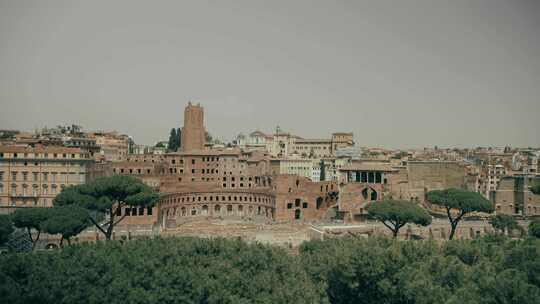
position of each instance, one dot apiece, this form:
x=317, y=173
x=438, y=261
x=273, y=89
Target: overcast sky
x=398, y=74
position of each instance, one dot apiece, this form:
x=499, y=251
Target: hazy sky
x=396, y=73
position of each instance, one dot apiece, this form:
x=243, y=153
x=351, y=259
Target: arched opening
x=183, y=211
x=319, y=202
x=193, y=211
x=373, y=196
x=51, y=246
x=297, y=214
x=365, y=193
x=217, y=209
x=229, y=210
x=204, y=210
x=240, y=210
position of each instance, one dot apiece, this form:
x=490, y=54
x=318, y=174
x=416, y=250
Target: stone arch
x=369, y=194
x=365, y=194
x=240, y=210
x=373, y=196
x=183, y=211
x=51, y=246
x=193, y=211
x=217, y=209
x=204, y=210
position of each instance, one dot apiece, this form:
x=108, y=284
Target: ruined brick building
x=201, y=182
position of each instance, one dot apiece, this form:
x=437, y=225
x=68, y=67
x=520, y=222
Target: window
x=14, y=176
x=304, y=205
x=289, y=206
x=297, y=202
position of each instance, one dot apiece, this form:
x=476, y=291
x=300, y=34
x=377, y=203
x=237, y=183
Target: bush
x=185, y=270
x=490, y=270
x=494, y=269
x=534, y=228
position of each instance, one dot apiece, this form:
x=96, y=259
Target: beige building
x=283, y=145
x=33, y=176
x=113, y=146
x=296, y=166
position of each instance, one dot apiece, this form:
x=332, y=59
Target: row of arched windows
x=207, y=210
x=223, y=198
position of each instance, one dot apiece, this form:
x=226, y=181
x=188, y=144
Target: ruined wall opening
x=319, y=202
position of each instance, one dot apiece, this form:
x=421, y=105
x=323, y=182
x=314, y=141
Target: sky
x=399, y=74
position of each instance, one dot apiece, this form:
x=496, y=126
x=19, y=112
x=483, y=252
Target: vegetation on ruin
x=394, y=214
x=535, y=188
x=108, y=195
x=458, y=203
x=504, y=223
x=493, y=269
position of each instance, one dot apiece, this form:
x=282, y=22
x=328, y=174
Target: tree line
x=493, y=269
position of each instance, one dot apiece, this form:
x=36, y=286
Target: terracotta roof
x=45, y=149
x=211, y=152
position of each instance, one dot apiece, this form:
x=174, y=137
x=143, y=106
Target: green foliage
x=394, y=214
x=108, y=194
x=171, y=270
x=535, y=188
x=6, y=228
x=67, y=221
x=503, y=223
x=487, y=270
x=460, y=201
x=534, y=228
x=31, y=219
x=174, y=139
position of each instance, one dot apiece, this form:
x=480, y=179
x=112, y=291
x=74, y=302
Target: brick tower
x=193, y=134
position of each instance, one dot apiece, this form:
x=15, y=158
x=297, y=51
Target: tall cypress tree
x=172, y=145
x=178, y=138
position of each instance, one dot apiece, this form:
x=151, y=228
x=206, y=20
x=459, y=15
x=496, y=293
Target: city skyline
x=397, y=75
